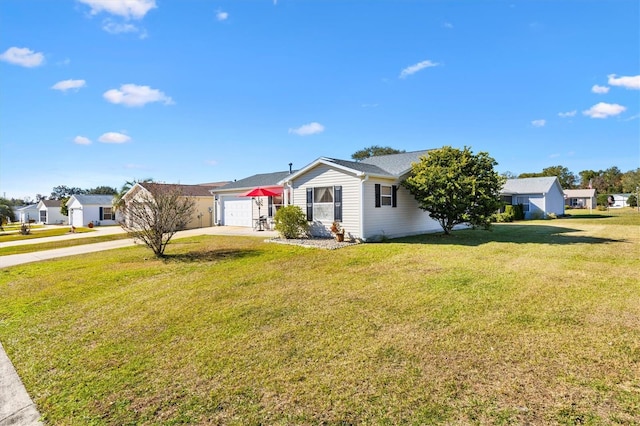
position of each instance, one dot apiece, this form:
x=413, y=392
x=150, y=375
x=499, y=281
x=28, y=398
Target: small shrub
x=503, y=217
x=24, y=229
x=291, y=222
x=552, y=216
x=515, y=211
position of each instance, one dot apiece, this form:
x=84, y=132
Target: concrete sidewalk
x=19, y=259
x=16, y=407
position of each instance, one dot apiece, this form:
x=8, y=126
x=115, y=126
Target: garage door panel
x=237, y=212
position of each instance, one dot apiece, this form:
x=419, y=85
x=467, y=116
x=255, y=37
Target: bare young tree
x=155, y=214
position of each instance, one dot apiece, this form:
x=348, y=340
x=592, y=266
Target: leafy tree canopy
x=102, y=190
x=455, y=186
x=374, y=151
x=566, y=178
x=61, y=192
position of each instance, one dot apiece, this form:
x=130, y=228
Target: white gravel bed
x=321, y=243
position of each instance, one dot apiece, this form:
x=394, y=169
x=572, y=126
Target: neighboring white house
x=97, y=209
x=25, y=214
x=539, y=196
x=203, y=212
x=580, y=198
x=619, y=201
x=49, y=213
x=364, y=196
x=232, y=208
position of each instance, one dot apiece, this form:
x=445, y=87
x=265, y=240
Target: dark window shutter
x=394, y=196
x=378, y=202
x=309, y=204
x=337, y=203
x=101, y=213
x=270, y=209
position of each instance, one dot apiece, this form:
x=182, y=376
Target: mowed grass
x=532, y=323
x=39, y=246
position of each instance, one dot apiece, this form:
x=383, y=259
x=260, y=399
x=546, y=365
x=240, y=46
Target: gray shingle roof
x=537, y=185
x=255, y=181
x=88, y=200
x=186, y=190
x=395, y=164
x=52, y=203
x=359, y=166
x=580, y=193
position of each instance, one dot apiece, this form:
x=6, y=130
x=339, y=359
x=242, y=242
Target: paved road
x=16, y=407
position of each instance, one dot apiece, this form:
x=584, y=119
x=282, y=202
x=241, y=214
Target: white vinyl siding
x=405, y=219
x=325, y=176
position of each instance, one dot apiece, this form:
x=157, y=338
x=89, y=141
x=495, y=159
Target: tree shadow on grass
x=509, y=233
x=210, y=255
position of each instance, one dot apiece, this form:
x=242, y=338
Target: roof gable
x=50, y=203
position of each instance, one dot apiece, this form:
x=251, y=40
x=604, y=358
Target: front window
x=43, y=216
x=107, y=213
x=525, y=203
x=323, y=203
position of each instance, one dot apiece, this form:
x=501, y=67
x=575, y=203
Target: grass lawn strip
x=524, y=324
x=39, y=233
x=31, y=248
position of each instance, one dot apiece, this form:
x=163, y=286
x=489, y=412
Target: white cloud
x=211, y=162
x=600, y=89
x=132, y=95
x=22, y=56
x=448, y=25
x=117, y=28
x=538, y=123
x=627, y=82
x=114, y=137
x=568, y=114
x=221, y=16
x=308, y=129
x=604, y=110
x=417, y=67
x=556, y=155
x=81, y=140
x=65, y=85
x=128, y=9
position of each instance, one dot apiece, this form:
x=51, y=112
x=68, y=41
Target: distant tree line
x=609, y=181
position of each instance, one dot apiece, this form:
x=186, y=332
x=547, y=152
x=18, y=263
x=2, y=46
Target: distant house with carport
x=49, y=213
x=580, y=198
x=539, y=196
x=203, y=212
x=96, y=209
x=27, y=214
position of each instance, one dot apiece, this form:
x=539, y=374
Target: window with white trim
x=385, y=195
x=107, y=213
x=323, y=203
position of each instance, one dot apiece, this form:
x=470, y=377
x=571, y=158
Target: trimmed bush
x=291, y=222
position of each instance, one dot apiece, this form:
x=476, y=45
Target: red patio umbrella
x=261, y=192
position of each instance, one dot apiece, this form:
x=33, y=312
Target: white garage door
x=237, y=212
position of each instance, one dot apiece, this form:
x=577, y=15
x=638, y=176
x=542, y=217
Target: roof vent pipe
x=290, y=171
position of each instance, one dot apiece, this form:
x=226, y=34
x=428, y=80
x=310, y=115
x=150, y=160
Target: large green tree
x=456, y=186
x=374, y=151
x=566, y=178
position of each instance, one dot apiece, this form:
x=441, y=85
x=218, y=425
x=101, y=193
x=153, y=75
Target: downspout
x=288, y=193
x=365, y=178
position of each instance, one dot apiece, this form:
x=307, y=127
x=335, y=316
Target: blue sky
x=98, y=92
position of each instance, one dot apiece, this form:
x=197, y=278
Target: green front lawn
x=532, y=323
